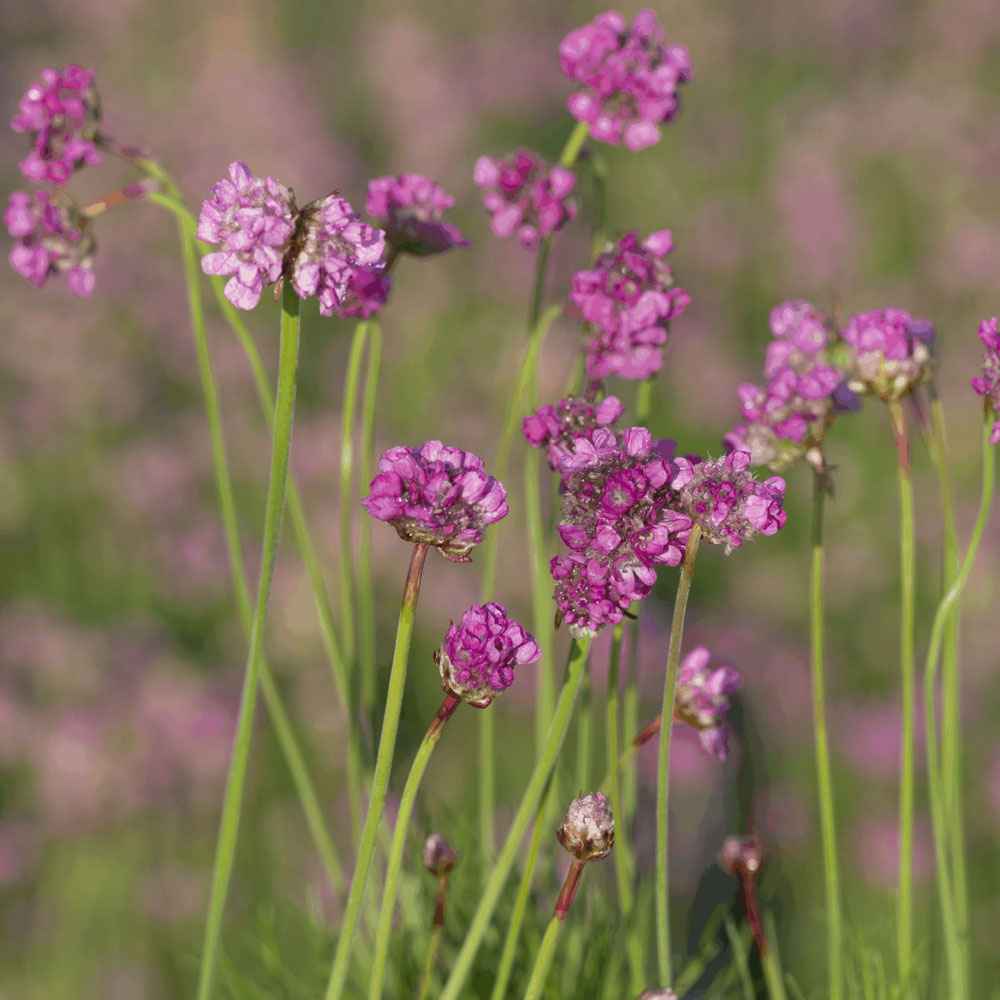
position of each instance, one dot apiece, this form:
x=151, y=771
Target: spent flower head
x=526, y=195
x=741, y=856
x=438, y=496
x=410, y=208
x=559, y=427
x=988, y=384
x=703, y=698
x=889, y=353
x=439, y=856
x=478, y=656
x=60, y=114
x=630, y=77
x=588, y=828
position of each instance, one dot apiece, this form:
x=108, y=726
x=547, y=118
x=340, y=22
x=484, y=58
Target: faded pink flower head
x=438, y=496
x=588, y=828
x=559, y=427
x=741, y=856
x=438, y=855
x=410, y=208
x=60, y=114
x=703, y=698
x=630, y=77
x=988, y=384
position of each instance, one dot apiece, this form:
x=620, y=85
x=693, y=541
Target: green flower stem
x=904, y=924
x=824, y=781
x=630, y=717
x=599, y=174
x=432, y=950
x=770, y=960
x=380, y=780
x=571, y=151
x=740, y=957
x=663, y=770
x=541, y=596
x=954, y=944
x=504, y=861
x=225, y=851
x=401, y=829
x=543, y=960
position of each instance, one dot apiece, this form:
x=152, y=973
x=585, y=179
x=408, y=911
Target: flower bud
x=588, y=829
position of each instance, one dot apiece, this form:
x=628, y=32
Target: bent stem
x=380, y=780
x=547, y=949
x=502, y=864
x=225, y=851
x=663, y=768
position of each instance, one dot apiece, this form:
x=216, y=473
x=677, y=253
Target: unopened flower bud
x=741, y=856
x=588, y=829
x=658, y=995
x=439, y=856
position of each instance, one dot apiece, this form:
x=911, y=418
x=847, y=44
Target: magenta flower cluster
x=630, y=77
x=628, y=299
x=702, y=699
x=478, y=656
x=559, y=427
x=410, y=208
x=526, y=195
x=988, y=384
x=889, y=353
x=437, y=496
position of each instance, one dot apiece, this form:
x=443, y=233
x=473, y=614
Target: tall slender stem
x=225, y=852
x=770, y=960
x=380, y=780
x=503, y=862
x=543, y=960
x=663, y=770
x=904, y=922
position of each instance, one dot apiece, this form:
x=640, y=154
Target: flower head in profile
x=559, y=427
x=630, y=78
x=988, y=384
x=628, y=298
x=703, y=699
x=478, y=656
x=588, y=828
x=52, y=238
x=525, y=195
x=437, y=496
x=410, y=208
x=60, y=114
x=438, y=855
x=889, y=353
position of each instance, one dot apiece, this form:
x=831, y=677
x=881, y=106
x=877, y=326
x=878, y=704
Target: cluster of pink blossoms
x=630, y=77
x=478, y=656
x=559, y=427
x=410, y=208
x=703, y=699
x=628, y=299
x=527, y=195
x=889, y=353
x=988, y=384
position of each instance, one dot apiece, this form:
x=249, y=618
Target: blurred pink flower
x=875, y=841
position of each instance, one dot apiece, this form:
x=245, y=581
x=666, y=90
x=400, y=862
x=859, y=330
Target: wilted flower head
x=722, y=497
x=559, y=427
x=658, y=995
x=438, y=855
x=410, y=208
x=52, y=239
x=741, y=856
x=630, y=77
x=988, y=384
x=526, y=194
x=703, y=698
x=889, y=353
x=588, y=828
x=478, y=657
x=60, y=113
x=618, y=522
x=629, y=299
x=436, y=495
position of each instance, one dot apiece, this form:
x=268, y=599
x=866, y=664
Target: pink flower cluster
x=478, y=657
x=628, y=298
x=988, y=384
x=438, y=496
x=630, y=77
x=410, y=208
x=559, y=427
x=703, y=699
x=527, y=195
x=889, y=353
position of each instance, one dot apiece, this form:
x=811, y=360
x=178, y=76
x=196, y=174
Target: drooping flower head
x=630, y=77
x=588, y=828
x=438, y=496
x=60, y=114
x=988, y=384
x=52, y=238
x=628, y=298
x=741, y=856
x=438, y=855
x=478, y=656
x=703, y=698
x=889, y=353
x=722, y=497
x=410, y=208
x=527, y=195
x=559, y=427
x=618, y=521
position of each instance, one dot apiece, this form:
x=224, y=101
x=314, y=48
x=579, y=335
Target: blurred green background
x=844, y=152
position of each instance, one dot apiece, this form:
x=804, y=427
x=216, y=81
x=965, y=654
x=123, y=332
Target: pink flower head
x=628, y=298
x=703, y=698
x=741, y=856
x=410, y=208
x=527, y=195
x=722, y=497
x=52, y=238
x=889, y=353
x=478, y=657
x=438, y=496
x=559, y=427
x=60, y=114
x=588, y=828
x=618, y=522
x=630, y=78
x=988, y=384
